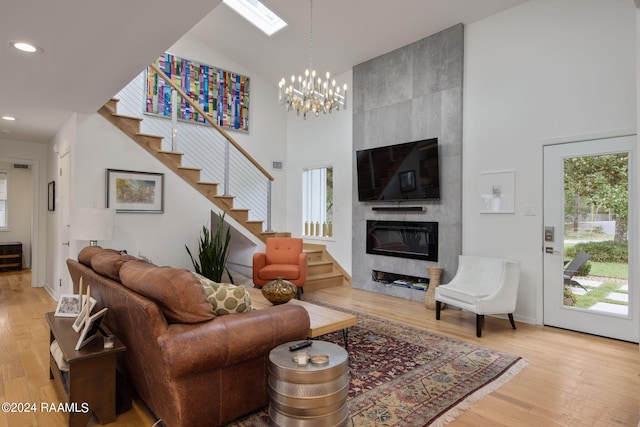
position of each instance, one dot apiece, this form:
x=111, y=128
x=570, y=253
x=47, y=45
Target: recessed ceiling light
x=8, y=118
x=258, y=14
x=25, y=47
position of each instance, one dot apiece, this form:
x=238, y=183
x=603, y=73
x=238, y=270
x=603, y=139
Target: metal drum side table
x=312, y=395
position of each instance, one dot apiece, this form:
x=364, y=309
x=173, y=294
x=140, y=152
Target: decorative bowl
x=279, y=291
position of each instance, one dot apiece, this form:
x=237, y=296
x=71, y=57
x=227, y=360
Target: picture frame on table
x=68, y=305
x=135, y=192
x=91, y=328
x=78, y=324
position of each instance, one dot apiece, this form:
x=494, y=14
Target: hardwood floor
x=572, y=379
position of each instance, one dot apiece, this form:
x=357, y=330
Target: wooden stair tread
x=124, y=116
x=321, y=276
x=177, y=153
x=149, y=135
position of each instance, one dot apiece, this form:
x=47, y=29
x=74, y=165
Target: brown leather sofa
x=191, y=368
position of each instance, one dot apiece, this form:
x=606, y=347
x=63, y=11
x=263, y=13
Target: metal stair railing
x=209, y=148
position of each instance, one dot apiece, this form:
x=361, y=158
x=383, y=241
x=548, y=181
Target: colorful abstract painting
x=222, y=94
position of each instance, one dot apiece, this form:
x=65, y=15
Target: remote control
x=300, y=345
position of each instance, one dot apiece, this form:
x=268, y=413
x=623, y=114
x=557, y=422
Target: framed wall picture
x=497, y=192
x=222, y=94
x=51, y=197
x=136, y=192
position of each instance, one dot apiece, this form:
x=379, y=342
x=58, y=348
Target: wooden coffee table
x=323, y=320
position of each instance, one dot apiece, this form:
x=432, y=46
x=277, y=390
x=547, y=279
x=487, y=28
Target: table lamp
x=93, y=224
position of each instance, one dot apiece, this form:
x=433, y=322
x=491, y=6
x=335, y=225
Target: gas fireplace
x=404, y=239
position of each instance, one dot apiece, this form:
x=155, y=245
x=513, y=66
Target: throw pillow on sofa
x=225, y=298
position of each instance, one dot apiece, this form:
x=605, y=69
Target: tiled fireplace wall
x=410, y=94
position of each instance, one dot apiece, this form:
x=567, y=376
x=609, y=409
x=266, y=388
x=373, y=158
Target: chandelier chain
x=311, y=35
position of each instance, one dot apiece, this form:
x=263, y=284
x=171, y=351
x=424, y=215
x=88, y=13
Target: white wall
x=58, y=278
x=33, y=154
x=543, y=70
x=323, y=141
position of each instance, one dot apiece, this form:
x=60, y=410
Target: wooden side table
x=91, y=385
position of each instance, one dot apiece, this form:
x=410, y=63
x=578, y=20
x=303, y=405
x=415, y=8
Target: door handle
x=550, y=250
x=65, y=243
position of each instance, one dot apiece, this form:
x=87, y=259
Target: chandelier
x=309, y=93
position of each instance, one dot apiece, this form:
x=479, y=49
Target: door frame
x=634, y=224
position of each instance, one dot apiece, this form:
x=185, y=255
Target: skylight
x=258, y=14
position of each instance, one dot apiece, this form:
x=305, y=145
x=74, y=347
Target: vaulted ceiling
x=93, y=49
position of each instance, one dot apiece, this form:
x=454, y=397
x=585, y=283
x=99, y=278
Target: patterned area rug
x=403, y=376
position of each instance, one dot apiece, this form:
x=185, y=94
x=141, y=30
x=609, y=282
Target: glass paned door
x=590, y=219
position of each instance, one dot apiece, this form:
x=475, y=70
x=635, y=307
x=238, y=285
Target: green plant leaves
x=213, y=251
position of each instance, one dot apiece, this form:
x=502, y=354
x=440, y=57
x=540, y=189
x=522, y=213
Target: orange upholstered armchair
x=283, y=257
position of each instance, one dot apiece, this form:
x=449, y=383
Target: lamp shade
x=93, y=224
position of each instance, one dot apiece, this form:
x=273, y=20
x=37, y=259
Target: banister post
x=268, y=205
x=226, y=168
x=174, y=120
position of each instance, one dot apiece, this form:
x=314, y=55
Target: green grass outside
x=609, y=269
x=605, y=270
x=586, y=235
x=598, y=294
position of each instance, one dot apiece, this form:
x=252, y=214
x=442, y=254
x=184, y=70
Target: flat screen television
x=401, y=172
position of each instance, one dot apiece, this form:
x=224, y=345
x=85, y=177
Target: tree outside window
x=317, y=199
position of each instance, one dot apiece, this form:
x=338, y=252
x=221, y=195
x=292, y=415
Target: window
x=3, y=200
x=317, y=199
x=258, y=14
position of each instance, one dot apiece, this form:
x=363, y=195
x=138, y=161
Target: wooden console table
x=10, y=256
x=91, y=385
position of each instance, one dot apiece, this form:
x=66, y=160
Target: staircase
x=323, y=270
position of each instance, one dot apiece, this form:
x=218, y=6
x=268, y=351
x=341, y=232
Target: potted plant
x=213, y=252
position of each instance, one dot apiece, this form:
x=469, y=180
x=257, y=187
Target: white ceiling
x=92, y=49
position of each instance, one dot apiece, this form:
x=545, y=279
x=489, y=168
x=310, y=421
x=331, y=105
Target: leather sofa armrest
x=188, y=349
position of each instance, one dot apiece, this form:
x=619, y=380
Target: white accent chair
x=482, y=285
